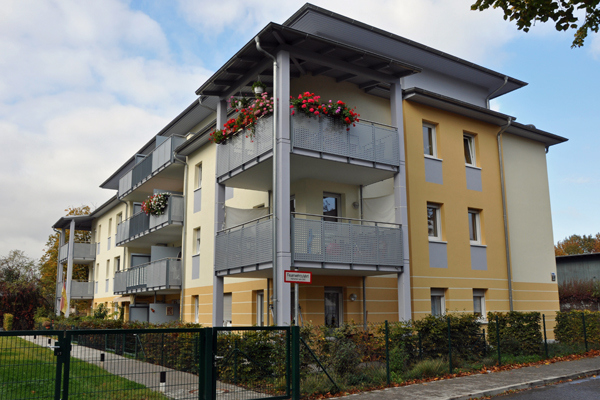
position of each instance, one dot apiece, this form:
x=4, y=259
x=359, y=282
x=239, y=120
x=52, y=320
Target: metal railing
x=317, y=238
x=250, y=243
x=367, y=140
x=140, y=223
x=158, y=158
x=81, y=251
x=155, y=275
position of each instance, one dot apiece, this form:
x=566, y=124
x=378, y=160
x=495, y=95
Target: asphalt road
x=584, y=389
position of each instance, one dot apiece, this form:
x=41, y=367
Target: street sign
x=297, y=277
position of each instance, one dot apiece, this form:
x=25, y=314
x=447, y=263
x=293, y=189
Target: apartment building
x=432, y=202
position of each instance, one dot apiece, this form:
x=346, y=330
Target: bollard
x=163, y=381
x=102, y=360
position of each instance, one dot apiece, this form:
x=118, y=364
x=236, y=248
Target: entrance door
x=333, y=306
x=331, y=206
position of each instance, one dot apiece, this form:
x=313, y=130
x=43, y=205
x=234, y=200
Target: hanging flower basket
x=258, y=88
x=156, y=204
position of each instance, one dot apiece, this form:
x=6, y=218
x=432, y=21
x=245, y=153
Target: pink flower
x=316, y=113
x=293, y=112
x=303, y=105
x=311, y=110
x=291, y=106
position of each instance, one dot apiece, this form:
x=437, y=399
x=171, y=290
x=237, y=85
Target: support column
x=70, y=265
x=401, y=204
x=59, y=273
x=282, y=203
x=218, y=281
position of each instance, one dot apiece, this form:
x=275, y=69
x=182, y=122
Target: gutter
x=507, y=244
x=275, y=111
x=487, y=99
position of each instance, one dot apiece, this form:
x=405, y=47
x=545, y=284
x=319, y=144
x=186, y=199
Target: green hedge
x=520, y=332
x=569, y=327
x=8, y=322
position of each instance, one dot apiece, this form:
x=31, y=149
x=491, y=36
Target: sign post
x=297, y=277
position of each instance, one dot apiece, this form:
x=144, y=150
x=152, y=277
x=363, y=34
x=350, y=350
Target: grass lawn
x=28, y=371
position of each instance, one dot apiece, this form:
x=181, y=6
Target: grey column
x=282, y=206
x=59, y=272
x=218, y=281
x=70, y=265
x=400, y=200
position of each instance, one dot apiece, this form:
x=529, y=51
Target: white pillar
x=218, y=281
x=282, y=205
x=70, y=264
x=401, y=210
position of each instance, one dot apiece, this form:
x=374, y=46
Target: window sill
x=478, y=245
x=434, y=240
x=472, y=166
x=432, y=157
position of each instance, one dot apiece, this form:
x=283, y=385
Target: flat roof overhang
x=309, y=53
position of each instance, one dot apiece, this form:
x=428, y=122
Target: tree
x=562, y=12
x=49, y=260
x=20, y=293
x=576, y=244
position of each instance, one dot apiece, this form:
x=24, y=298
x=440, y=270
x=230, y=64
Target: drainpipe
x=184, y=233
x=507, y=245
x=275, y=110
x=487, y=99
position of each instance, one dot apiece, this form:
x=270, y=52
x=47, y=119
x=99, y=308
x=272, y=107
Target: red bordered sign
x=297, y=277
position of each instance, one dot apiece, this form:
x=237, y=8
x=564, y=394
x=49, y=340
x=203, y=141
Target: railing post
x=295, y=330
x=377, y=243
x=387, y=353
x=498, y=340
x=545, y=340
x=584, y=331
x=449, y=346
x=323, y=240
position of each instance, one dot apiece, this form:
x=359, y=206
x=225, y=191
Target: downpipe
x=507, y=244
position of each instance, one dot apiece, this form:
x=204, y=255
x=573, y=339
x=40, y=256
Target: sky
x=83, y=84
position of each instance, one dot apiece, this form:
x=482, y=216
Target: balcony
x=152, y=165
x=80, y=290
x=367, y=153
x=356, y=245
x=164, y=274
x=245, y=248
x=144, y=230
x=82, y=253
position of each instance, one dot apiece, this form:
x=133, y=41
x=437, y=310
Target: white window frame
x=477, y=228
x=471, y=141
x=433, y=144
x=199, y=176
x=479, y=295
x=441, y=294
x=197, y=240
x=438, y=221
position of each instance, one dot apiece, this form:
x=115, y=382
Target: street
x=584, y=389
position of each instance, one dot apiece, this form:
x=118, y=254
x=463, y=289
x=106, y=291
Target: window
x=479, y=303
x=197, y=240
x=260, y=308
x=434, y=226
x=429, y=140
x=117, y=264
x=331, y=206
x=293, y=203
x=137, y=208
x=438, y=305
x=119, y=220
x=199, y=176
x=196, y=308
x=333, y=306
x=474, y=228
x=469, y=145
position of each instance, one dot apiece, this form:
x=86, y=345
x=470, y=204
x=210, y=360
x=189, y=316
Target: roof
x=84, y=222
x=577, y=257
x=325, y=23
x=436, y=100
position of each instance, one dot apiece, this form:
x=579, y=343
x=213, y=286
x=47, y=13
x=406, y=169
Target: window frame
x=480, y=295
x=471, y=140
x=197, y=240
x=198, y=182
x=432, y=139
x=438, y=293
x=474, y=226
x=438, y=222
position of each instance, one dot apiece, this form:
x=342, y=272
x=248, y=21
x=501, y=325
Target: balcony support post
x=400, y=200
x=59, y=272
x=70, y=265
x=218, y=281
x=281, y=202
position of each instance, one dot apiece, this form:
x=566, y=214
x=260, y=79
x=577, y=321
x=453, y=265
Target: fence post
x=449, y=347
x=205, y=364
x=235, y=361
x=387, y=352
x=59, y=368
x=162, y=350
x=295, y=362
x=420, y=346
x=498, y=340
x=545, y=340
x=484, y=344
x=66, y=354
x=584, y=331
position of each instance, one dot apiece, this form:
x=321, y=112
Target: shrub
x=429, y=369
x=520, y=332
x=8, y=322
x=569, y=327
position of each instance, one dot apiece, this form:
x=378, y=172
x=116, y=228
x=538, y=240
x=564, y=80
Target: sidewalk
x=474, y=386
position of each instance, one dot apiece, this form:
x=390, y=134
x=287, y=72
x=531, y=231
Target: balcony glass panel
x=346, y=242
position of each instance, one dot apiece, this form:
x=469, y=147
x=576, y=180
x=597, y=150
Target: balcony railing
x=317, y=239
x=151, y=164
x=367, y=141
x=79, y=289
x=155, y=275
x=248, y=244
x=81, y=252
x=141, y=224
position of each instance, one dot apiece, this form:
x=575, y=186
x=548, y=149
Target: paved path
x=480, y=385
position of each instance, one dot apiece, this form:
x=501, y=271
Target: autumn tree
x=561, y=12
x=576, y=244
x=49, y=260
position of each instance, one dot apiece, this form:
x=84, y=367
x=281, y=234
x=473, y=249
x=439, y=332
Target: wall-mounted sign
x=297, y=277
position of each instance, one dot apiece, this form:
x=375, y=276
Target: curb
x=525, y=385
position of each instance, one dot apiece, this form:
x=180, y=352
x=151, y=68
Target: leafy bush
x=520, y=332
x=569, y=327
x=429, y=369
x=579, y=291
x=8, y=322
